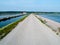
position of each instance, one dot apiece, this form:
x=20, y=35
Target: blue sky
x=30, y=5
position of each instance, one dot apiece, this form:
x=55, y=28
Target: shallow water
x=55, y=17
x=4, y=23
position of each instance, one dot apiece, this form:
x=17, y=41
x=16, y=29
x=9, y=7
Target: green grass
x=5, y=30
x=43, y=21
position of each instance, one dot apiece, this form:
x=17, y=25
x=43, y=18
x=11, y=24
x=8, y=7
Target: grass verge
x=6, y=29
x=43, y=21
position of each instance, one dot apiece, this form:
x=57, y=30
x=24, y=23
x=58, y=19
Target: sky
x=30, y=5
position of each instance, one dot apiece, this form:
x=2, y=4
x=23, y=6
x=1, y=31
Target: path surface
x=31, y=32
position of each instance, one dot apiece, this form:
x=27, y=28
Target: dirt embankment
x=55, y=26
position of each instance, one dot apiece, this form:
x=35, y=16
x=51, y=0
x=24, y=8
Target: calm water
x=3, y=16
x=4, y=23
x=55, y=17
